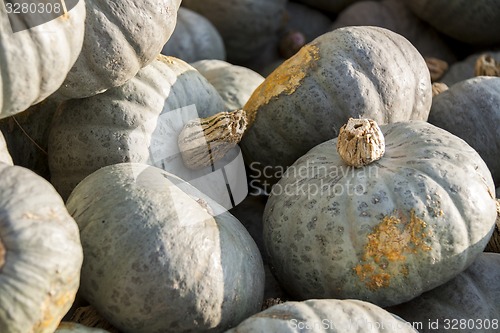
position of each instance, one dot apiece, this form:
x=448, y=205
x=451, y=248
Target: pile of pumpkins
x=369, y=137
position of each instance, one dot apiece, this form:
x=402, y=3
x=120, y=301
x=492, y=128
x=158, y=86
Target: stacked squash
x=370, y=198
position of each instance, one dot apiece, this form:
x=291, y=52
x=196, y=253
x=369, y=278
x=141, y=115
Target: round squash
x=34, y=62
x=471, y=110
x=476, y=22
x=463, y=70
x=121, y=37
x=327, y=315
x=469, y=302
x=69, y=327
x=27, y=135
x=235, y=84
x=246, y=26
x=194, y=38
x=396, y=16
x=40, y=253
x=137, y=122
x=349, y=72
x=385, y=232
x=4, y=152
x=189, y=265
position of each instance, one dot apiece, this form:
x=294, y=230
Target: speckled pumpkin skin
x=4, y=152
x=194, y=38
x=386, y=232
x=479, y=21
x=396, y=16
x=122, y=124
x=349, y=72
x=184, y=270
x=246, y=26
x=40, y=253
x=327, y=315
x=471, y=110
x=69, y=327
x=473, y=295
x=235, y=84
x=121, y=37
x=34, y=62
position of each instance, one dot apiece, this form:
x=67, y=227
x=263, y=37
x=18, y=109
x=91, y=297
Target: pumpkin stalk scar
x=388, y=246
x=204, y=141
x=360, y=142
x=486, y=65
x=284, y=80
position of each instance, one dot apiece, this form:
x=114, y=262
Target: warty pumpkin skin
x=235, y=84
x=246, y=26
x=324, y=315
x=4, y=152
x=469, y=302
x=40, y=253
x=34, y=62
x=349, y=72
x=475, y=22
x=190, y=267
x=386, y=232
x=121, y=37
x=194, y=38
x=396, y=16
x=471, y=110
x=130, y=123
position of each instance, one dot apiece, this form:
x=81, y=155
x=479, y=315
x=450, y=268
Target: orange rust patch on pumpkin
x=284, y=80
x=53, y=303
x=388, y=246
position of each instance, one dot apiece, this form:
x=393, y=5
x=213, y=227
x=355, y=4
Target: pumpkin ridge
x=111, y=16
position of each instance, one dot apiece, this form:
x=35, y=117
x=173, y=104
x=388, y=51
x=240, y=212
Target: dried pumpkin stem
x=438, y=87
x=88, y=316
x=486, y=65
x=437, y=67
x=203, y=141
x=360, y=142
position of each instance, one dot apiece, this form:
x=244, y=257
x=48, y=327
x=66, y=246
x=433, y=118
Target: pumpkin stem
x=360, y=142
x=203, y=141
x=437, y=67
x=291, y=43
x=438, y=87
x=486, y=65
x=88, y=316
x=65, y=9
